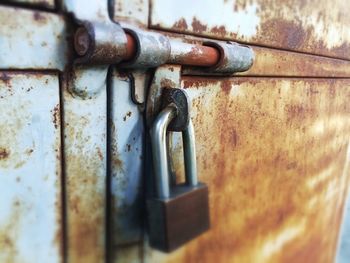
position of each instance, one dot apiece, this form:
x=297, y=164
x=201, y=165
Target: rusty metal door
x=272, y=142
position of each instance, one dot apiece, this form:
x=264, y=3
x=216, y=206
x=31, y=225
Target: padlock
x=179, y=214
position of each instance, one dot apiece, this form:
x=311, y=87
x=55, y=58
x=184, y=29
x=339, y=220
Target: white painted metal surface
x=132, y=11
x=32, y=39
x=30, y=168
x=85, y=124
x=127, y=143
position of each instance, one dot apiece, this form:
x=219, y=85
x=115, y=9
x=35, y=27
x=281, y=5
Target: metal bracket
x=179, y=98
x=233, y=57
x=168, y=76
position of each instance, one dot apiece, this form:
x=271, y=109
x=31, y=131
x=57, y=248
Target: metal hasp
x=179, y=214
x=97, y=43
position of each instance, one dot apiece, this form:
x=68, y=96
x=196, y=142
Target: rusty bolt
x=81, y=41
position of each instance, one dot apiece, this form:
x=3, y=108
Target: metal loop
x=159, y=151
x=189, y=147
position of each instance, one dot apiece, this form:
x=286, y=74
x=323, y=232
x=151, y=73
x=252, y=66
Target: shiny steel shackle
x=159, y=151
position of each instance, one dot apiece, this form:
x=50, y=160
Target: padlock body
x=180, y=218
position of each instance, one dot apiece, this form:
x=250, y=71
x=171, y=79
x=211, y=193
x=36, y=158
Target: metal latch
x=99, y=43
x=107, y=43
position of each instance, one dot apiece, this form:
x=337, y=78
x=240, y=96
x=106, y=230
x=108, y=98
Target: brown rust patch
x=226, y=86
x=39, y=17
x=197, y=26
x=4, y=77
x=181, y=24
x=127, y=115
x=168, y=83
x=288, y=34
x=99, y=153
x=221, y=31
x=56, y=116
x=4, y=153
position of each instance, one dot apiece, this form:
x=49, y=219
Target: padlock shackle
x=159, y=149
x=189, y=146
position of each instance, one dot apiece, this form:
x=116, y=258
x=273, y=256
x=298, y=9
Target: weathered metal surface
x=233, y=57
x=272, y=62
x=88, y=82
x=132, y=11
x=30, y=168
x=42, y=3
x=313, y=26
x=127, y=148
x=188, y=54
x=268, y=61
x=275, y=155
x=32, y=39
x=100, y=43
x=85, y=132
x=153, y=49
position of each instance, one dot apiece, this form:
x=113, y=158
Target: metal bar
x=181, y=53
x=189, y=144
x=193, y=55
x=159, y=150
x=131, y=47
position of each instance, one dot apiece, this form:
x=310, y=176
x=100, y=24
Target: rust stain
x=289, y=34
x=117, y=163
x=315, y=27
x=5, y=78
x=56, y=116
x=127, y=115
x=9, y=233
x=39, y=17
x=219, y=30
x=167, y=83
x=197, y=26
x=273, y=161
x=226, y=86
x=4, y=153
x=99, y=153
x=273, y=62
x=181, y=24
x=85, y=196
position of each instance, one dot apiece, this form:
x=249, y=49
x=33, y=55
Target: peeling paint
x=317, y=27
x=127, y=140
x=85, y=157
x=35, y=41
x=30, y=169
